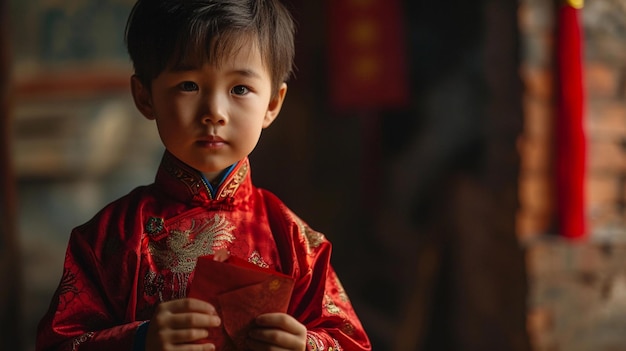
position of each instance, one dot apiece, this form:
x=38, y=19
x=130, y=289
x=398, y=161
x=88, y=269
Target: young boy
x=212, y=74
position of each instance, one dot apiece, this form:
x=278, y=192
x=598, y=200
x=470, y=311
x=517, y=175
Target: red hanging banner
x=569, y=133
x=367, y=54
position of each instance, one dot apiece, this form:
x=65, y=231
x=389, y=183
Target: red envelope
x=240, y=291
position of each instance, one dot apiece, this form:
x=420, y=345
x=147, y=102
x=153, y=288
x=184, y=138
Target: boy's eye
x=188, y=86
x=240, y=90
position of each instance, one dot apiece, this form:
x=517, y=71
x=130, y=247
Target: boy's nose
x=214, y=113
x=213, y=118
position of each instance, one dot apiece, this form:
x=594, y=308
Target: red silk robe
x=142, y=249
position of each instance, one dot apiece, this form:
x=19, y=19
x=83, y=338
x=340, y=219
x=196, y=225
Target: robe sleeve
x=89, y=310
x=319, y=301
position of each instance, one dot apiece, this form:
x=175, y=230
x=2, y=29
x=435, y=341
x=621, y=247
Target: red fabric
x=142, y=250
x=570, y=136
x=367, y=54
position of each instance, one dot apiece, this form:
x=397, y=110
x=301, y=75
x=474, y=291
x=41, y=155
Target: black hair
x=170, y=33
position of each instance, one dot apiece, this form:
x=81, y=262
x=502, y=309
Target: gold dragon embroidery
x=183, y=247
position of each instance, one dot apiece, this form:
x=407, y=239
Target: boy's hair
x=175, y=33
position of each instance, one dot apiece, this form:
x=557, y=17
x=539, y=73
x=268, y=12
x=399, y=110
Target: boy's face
x=211, y=116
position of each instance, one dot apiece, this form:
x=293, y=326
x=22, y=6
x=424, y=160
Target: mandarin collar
x=187, y=184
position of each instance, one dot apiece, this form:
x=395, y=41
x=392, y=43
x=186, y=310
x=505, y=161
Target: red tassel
x=569, y=134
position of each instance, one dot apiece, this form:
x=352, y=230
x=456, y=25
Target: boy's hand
x=177, y=324
x=277, y=331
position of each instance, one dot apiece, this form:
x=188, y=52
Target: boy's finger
x=271, y=339
x=271, y=319
x=184, y=336
x=191, y=305
x=282, y=321
x=194, y=320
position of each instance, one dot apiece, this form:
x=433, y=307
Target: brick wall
x=604, y=23
x=577, y=298
x=536, y=205
x=605, y=72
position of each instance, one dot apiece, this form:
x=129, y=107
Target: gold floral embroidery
x=183, y=247
x=154, y=285
x=191, y=180
x=341, y=291
x=348, y=328
x=312, y=238
x=231, y=187
x=337, y=346
x=330, y=306
x=154, y=226
x=311, y=343
x=80, y=340
x=256, y=259
x=315, y=343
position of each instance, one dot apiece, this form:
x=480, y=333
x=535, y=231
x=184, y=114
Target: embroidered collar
x=189, y=185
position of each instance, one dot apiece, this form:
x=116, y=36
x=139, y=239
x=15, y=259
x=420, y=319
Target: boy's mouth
x=212, y=142
x=214, y=139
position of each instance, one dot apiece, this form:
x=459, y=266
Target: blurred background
x=421, y=137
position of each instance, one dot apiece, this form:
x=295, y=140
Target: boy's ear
x=142, y=97
x=276, y=103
